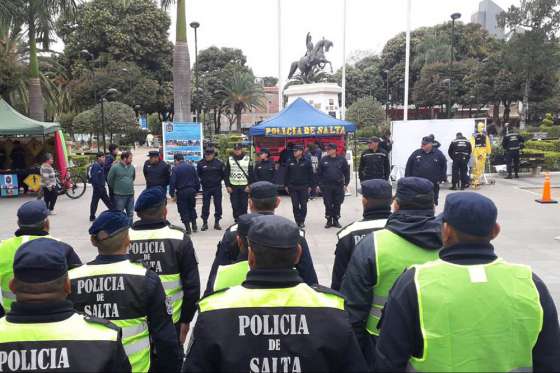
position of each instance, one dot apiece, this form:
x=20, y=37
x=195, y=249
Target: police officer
x=43, y=332
x=265, y=169
x=239, y=174
x=429, y=163
x=97, y=178
x=512, y=144
x=126, y=293
x=183, y=186
x=273, y=321
x=374, y=162
x=298, y=182
x=211, y=172
x=376, y=200
x=412, y=235
x=460, y=151
x=169, y=252
x=334, y=177
x=263, y=200
x=468, y=296
x=156, y=171
x=33, y=222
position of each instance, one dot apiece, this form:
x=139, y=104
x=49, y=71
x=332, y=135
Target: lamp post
x=448, y=82
x=195, y=25
x=387, y=72
x=454, y=17
x=109, y=92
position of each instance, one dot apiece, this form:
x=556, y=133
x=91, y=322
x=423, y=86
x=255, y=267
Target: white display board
x=407, y=137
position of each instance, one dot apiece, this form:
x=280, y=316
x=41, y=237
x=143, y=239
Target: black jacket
x=374, y=165
x=183, y=176
x=58, y=311
x=185, y=257
x=156, y=174
x=265, y=170
x=431, y=166
x=460, y=149
x=401, y=336
x=299, y=173
x=333, y=171
x=348, y=238
x=228, y=253
x=323, y=343
x=211, y=173
x=72, y=258
x=513, y=142
x=416, y=226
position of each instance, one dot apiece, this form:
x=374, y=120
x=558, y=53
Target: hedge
x=544, y=145
x=551, y=159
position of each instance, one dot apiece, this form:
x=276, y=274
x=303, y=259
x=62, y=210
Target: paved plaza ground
x=528, y=233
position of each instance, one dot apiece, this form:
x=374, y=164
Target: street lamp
x=448, y=82
x=387, y=72
x=195, y=25
x=454, y=17
x=110, y=91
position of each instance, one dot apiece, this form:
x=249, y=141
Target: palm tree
x=181, y=65
x=242, y=94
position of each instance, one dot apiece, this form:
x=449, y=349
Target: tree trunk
x=238, y=121
x=507, y=111
x=525, y=112
x=36, y=109
x=219, y=123
x=181, y=69
x=496, y=114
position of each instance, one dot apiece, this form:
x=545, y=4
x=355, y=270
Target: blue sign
x=9, y=185
x=143, y=122
x=182, y=138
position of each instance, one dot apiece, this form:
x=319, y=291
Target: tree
x=119, y=119
x=270, y=81
x=242, y=94
x=12, y=74
x=366, y=112
x=363, y=79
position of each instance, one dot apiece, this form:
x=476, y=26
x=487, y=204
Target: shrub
x=551, y=159
x=548, y=121
x=544, y=145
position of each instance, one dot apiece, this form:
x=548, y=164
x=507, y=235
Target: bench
x=531, y=162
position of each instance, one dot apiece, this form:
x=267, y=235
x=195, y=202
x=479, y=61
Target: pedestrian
x=297, y=183
x=121, y=182
x=48, y=183
x=428, y=163
x=263, y=200
x=386, y=142
x=265, y=169
x=469, y=311
x=239, y=175
x=376, y=201
x=174, y=260
x=307, y=329
x=156, y=171
x=512, y=144
x=183, y=186
x=286, y=154
x=211, y=172
x=460, y=151
x=126, y=293
x=412, y=235
x=33, y=222
x=97, y=178
x=110, y=157
x=43, y=332
x=334, y=177
x=374, y=162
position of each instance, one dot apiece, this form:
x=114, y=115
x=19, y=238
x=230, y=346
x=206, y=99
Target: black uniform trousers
x=50, y=197
x=333, y=197
x=208, y=194
x=99, y=194
x=300, y=196
x=460, y=171
x=436, y=193
x=239, y=201
x=186, y=202
x=512, y=161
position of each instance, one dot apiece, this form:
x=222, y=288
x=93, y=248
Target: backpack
x=88, y=172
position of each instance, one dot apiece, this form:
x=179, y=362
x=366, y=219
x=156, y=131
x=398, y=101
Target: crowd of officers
x=410, y=291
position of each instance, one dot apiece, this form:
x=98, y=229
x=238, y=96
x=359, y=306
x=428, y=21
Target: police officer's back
x=512, y=144
x=183, y=185
x=43, y=332
x=469, y=311
x=376, y=201
x=412, y=235
x=33, y=223
x=273, y=321
x=169, y=252
x=128, y=294
x=460, y=151
x=156, y=171
x=374, y=162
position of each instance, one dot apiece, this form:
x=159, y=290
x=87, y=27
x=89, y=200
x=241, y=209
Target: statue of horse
x=313, y=61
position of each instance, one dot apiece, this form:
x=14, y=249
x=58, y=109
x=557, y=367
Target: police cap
x=374, y=139
x=427, y=140
x=274, y=231
x=99, y=155
x=32, y=213
x=179, y=157
x=264, y=151
x=377, y=189
x=110, y=222
x=238, y=146
x=470, y=213
x=209, y=151
x=263, y=190
x=415, y=190
x=40, y=260
x=244, y=222
x=150, y=198
x=153, y=153
x=298, y=147
x=331, y=145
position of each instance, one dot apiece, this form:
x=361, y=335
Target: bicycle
x=74, y=186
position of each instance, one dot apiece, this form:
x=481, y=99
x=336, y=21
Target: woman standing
x=48, y=182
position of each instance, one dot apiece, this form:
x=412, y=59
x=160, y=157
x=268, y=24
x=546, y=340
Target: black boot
x=204, y=226
x=508, y=176
x=188, y=229
x=516, y=176
x=454, y=187
x=335, y=223
x=194, y=227
x=329, y=223
x=217, y=225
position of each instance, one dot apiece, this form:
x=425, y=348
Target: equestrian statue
x=314, y=60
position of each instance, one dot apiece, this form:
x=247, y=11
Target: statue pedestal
x=322, y=96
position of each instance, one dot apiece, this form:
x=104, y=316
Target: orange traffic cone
x=546, y=194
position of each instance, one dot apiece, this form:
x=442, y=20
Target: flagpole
x=280, y=84
x=343, y=108
x=407, y=64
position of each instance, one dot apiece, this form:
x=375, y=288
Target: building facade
x=487, y=17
